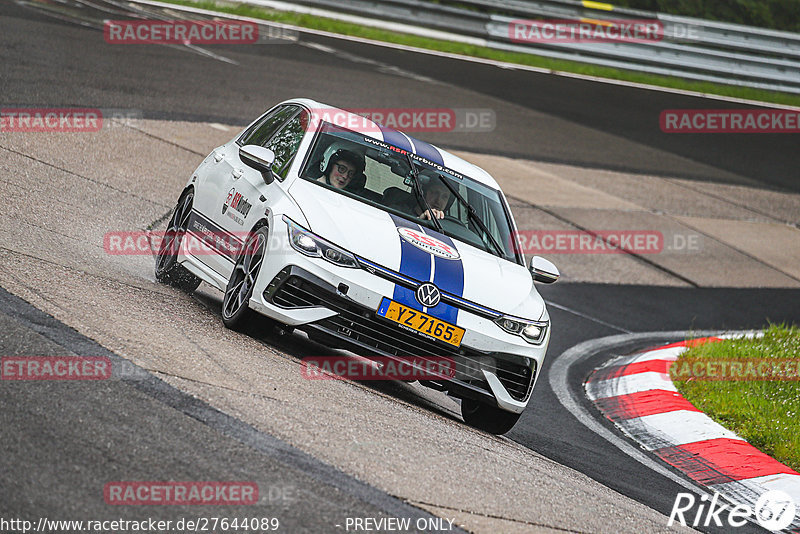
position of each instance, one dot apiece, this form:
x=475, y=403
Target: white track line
x=670, y=354
x=682, y=427
x=625, y=385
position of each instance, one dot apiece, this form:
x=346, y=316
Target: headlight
x=531, y=331
x=305, y=242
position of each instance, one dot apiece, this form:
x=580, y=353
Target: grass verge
x=356, y=30
x=765, y=413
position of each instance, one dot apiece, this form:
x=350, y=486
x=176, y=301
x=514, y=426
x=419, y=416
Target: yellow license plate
x=423, y=323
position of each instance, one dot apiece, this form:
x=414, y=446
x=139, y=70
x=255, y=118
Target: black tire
x=235, y=304
x=168, y=270
x=488, y=418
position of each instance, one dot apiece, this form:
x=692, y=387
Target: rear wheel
x=488, y=418
x=235, y=305
x=168, y=270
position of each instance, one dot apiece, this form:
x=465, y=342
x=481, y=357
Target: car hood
x=418, y=252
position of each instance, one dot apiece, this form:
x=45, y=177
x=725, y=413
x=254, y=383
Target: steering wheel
x=452, y=222
x=453, y=219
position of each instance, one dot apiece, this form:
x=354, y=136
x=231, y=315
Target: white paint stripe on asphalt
x=681, y=427
x=625, y=385
x=384, y=68
x=208, y=53
x=495, y=63
x=670, y=354
x=782, y=481
x=585, y=316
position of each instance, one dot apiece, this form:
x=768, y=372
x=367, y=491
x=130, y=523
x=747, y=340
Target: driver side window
x=263, y=130
x=286, y=142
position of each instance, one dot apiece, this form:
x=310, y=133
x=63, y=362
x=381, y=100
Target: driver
x=438, y=197
x=436, y=194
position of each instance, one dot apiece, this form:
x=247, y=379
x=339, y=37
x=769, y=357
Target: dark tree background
x=776, y=14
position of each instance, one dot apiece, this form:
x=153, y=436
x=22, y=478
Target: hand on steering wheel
x=439, y=214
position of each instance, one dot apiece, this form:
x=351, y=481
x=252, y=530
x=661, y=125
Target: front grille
x=363, y=326
x=285, y=291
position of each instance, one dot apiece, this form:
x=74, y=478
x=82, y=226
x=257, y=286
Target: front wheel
x=487, y=418
x=168, y=270
x=235, y=305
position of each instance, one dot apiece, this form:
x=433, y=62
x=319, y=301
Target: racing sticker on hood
x=429, y=244
x=423, y=266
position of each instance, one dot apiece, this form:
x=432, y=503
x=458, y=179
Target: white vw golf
x=369, y=240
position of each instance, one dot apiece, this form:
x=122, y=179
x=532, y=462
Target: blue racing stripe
x=427, y=151
x=448, y=276
x=414, y=263
x=393, y=137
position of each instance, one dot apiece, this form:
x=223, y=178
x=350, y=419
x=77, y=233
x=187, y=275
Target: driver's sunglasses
x=345, y=170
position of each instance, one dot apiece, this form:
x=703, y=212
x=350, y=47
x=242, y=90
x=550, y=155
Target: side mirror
x=543, y=271
x=259, y=158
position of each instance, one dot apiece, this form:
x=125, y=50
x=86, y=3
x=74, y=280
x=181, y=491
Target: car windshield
x=380, y=174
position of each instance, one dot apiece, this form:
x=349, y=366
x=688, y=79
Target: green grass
x=765, y=413
x=346, y=28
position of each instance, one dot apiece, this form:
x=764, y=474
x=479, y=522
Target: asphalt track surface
x=597, y=125
x=165, y=435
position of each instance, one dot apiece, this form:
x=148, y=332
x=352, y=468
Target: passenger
x=343, y=165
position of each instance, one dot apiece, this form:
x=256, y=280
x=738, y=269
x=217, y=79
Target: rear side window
x=263, y=130
x=286, y=143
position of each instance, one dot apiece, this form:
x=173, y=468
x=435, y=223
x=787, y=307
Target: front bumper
x=498, y=378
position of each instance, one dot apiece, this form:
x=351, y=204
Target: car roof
x=367, y=127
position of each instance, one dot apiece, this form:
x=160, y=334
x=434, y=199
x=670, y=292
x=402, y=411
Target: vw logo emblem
x=428, y=295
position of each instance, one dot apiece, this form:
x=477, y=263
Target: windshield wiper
x=474, y=217
x=418, y=190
